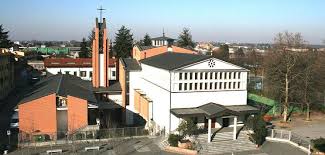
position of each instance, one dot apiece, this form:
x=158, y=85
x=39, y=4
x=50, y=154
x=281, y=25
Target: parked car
x=14, y=121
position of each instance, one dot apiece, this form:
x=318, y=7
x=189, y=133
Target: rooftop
x=130, y=64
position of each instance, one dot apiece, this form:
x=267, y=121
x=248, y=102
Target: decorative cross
x=100, y=13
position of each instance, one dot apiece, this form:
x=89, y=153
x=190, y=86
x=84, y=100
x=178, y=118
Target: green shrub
x=258, y=125
x=173, y=139
x=187, y=128
x=319, y=144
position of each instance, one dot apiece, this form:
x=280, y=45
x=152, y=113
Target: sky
x=234, y=21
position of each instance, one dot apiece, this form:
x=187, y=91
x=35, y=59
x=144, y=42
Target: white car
x=14, y=122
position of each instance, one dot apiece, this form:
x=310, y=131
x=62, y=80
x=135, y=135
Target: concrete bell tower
x=100, y=55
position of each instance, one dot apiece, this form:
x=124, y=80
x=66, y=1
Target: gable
x=212, y=63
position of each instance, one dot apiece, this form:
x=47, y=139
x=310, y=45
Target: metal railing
x=25, y=139
x=290, y=137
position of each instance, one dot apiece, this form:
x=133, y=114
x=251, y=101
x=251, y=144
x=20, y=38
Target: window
x=235, y=75
x=185, y=76
x=220, y=75
x=113, y=73
x=239, y=75
x=230, y=75
x=211, y=73
x=83, y=73
x=206, y=86
x=195, y=76
x=206, y=75
x=226, y=73
x=90, y=74
x=215, y=75
x=180, y=86
x=67, y=72
x=201, y=86
x=233, y=85
x=180, y=76
x=190, y=86
x=201, y=75
x=185, y=86
x=75, y=73
x=194, y=119
x=191, y=76
x=225, y=85
x=195, y=86
x=238, y=85
x=229, y=85
x=220, y=85
x=211, y=84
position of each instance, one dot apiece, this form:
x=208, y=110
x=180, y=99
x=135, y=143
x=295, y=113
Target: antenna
x=100, y=13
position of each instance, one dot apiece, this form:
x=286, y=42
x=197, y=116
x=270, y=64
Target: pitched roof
x=143, y=48
x=62, y=85
x=71, y=62
x=173, y=60
x=131, y=64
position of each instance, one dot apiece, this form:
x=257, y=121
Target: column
x=209, y=130
x=235, y=128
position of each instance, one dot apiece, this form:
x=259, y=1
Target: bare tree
x=280, y=69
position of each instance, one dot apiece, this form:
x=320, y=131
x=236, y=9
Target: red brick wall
x=77, y=113
x=39, y=114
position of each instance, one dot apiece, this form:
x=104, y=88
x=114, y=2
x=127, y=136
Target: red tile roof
x=71, y=62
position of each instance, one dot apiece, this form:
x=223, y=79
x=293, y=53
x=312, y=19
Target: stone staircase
x=222, y=143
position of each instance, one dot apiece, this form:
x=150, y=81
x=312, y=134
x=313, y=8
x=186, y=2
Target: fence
x=26, y=139
x=289, y=137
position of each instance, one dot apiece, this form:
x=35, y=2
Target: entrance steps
x=222, y=143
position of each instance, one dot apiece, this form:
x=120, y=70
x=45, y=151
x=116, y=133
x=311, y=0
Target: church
x=157, y=87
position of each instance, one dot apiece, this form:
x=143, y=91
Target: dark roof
x=211, y=110
x=142, y=48
x=173, y=60
x=113, y=87
x=62, y=85
x=131, y=64
x=162, y=38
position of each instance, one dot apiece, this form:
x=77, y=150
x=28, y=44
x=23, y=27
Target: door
x=225, y=122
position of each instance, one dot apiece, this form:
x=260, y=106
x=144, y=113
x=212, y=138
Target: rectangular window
x=180, y=76
x=195, y=76
x=191, y=76
x=226, y=73
x=201, y=75
x=201, y=86
x=180, y=86
x=225, y=85
x=206, y=75
x=216, y=85
x=229, y=85
x=211, y=84
x=215, y=75
x=211, y=73
x=185, y=76
x=67, y=72
x=238, y=85
x=221, y=75
x=233, y=85
x=239, y=75
x=230, y=75
x=195, y=86
x=190, y=86
x=113, y=73
x=75, y=73
x=235, y=75
x=206, y=86
x=90, y=74
x=220, y=85
x=83, y=73
x=185, y=86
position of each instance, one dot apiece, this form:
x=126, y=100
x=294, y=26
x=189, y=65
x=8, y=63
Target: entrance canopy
x=211, y=110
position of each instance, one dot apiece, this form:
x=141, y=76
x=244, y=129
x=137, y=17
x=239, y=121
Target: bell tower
x=100, y=54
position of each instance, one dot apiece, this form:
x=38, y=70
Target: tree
x=280, y=66
x=91, y=37
x=4, y=38
x=84, y=51
x=146, y=40
x=239, y=57
x=222, y=53
x=254, y=61
x=258, y=126
x=185, y=39
x=123, y=42
x=187, y=128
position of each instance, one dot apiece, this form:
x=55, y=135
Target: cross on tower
x=100, y=13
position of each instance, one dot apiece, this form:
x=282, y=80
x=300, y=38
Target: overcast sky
x=253, y=21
